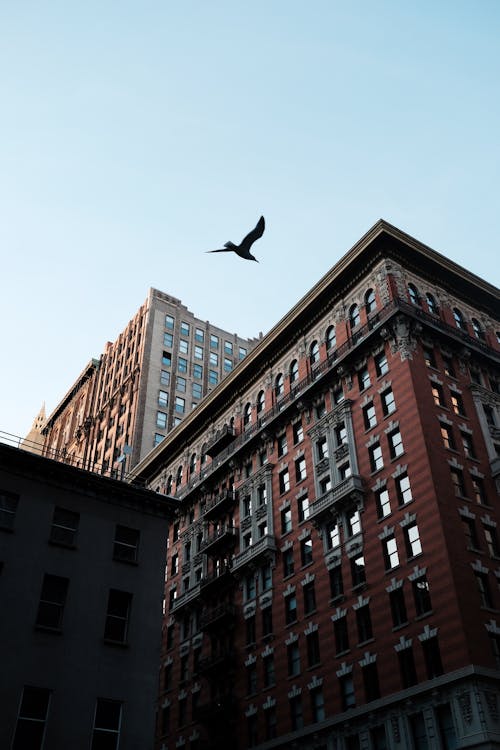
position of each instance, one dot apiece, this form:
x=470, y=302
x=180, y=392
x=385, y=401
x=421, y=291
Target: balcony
x=222, y=661
x=220, y=503
x=222, y=539
x=215, y=582
x=222, y=438
x=263, y=548
x=222, y=615
x=188, y=598
x=336, y=498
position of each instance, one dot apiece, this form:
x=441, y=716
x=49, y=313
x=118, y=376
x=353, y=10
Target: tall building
x=82, y=561
x=33, y=442
x=334, y=569
x=143, y=385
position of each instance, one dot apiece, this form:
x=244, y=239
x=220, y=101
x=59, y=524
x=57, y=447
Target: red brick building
x=333, y=575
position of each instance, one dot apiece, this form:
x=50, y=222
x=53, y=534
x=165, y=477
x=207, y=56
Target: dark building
x=82, y=561
x=334, y=568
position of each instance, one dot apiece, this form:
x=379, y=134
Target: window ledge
x=118, y=644
x=401, y=625
x=65, y=545
x=48, y=629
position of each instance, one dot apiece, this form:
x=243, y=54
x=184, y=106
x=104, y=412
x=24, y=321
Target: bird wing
x=221, y=250
x=257, y=232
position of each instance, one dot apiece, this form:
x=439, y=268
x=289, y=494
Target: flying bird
x=243, y=249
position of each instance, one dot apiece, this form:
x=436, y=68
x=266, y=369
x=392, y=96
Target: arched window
x=279, y=385
x=413, y=294
x=431, y=304
x=370, y=301
x=168, y=488
x=314, y=352
x=476, y=327
x=354, y=318
x=203, y=457
x=294, y=371
x=247, y=414
x=192, y=463
x=459, y=319
x=178, y=479
x=261, y=402
x=331, y=338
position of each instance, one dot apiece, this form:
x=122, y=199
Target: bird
x=243, y=249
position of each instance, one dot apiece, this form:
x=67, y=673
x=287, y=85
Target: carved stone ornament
x=396, y=732
x=465, y=704
x=491, y=699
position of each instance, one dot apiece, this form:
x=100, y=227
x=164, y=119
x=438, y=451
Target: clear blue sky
x=136, y=135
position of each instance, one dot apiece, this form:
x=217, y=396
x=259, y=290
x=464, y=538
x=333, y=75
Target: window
x=479, y=491
x=298, y=433
x=457, y=479
x=363, y=379
x=228, y=365
x=483, y=586
x=247, y=415
x=431, y=304
x=183, y=346
x=306, y=551
x=181, y=384
x=214, y=359
x=358, y=570
x=341, y=633
x=322, y=448
x=158, y=438
x=161, y=420
x=303, y=508
x=196, y=390
x=447, y=732
x=163, y=399
x=468, y=445
x=390, y=552
x=52, y=601
x=447, y=436
x=293, y=659
x=331, y=338
x=336, y=582
x=282, y=444
x=267, y=613
x=168, y=340
x=325, y=485
x=421, y=595
x=242, y=352
x=166, y=359
x=413, y=294
x=300, y=469
x=165, y=377
x=169, y=322
x=448, y=366
x=459, y=319
x=8, y=506
x=199, y=335
x=296, y=718
x=268, y=670
x=418, y=732
x=64, y=527
x=369, y=416
x=376, y=459
x=294, y=371
x=476, y=327
x=290, y=608
x=284, y=481
x=251, y=679
x=184, y=328
x=182, y=364
x=347, y=694
x=388, y=402
x=354, y=317
x=457, y=404
x=396, y=448
x=432, y=657
x=261, y=402
x=117, y=616
x=30, y=726
x=398, y=607
x=279, y=385
x=309, y=598
x=370, y=301
x=250, y=630
x=214, y=341
x=317, y=705
x=126, y=544
x=271, y=723
x=180, y=405
x=491, y=536
x=286, y=520
x=383, y=503
x=312, y=642
x=381, y=364
x=353, y=523
x=429, y=358
x=437, y=394
x=364, y=624
x=314, y=353
x=213, y=377
x=107, y=721
x=371, y=681
x=288, y=562
x=407, y=667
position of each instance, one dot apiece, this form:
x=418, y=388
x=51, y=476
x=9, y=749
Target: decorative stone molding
x=367, y=659
x=269, y=703
x=292, y=638
x=311, y=628
x=408, y=519
x=394, y=585
x=251, y=659
x=362, y=602
x=428, y=633
x=316, y=682
x=400, y=469
x=338, y=614
x=465, y=513
x=290, y=589
x=267, y=651
x=386, y=532
x=294, y=692
x=308, y=578
x=344, y=670
x=403, y=644
x=251, y=710
x=417, y=573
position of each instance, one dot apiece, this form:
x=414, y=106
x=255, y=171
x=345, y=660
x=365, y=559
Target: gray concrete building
x=82, y=561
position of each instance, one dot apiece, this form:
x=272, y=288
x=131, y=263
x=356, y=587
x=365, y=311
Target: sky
x=134, y=136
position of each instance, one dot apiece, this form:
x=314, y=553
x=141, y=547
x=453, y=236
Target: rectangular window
x=432, y=657
x=196, y=389
x=168, y=340
x=483, y=586
x=363, y=379
x=388, y=402
x=214, y=341
x=396, y=447
x=8, y=507
x=214, y=359
x=457, y=404
x=286, y=520
x=293, y=659
x=398, y=607
x=358, y=570
x=31, y=719
x=242, y=352
x=437, y=394
x=347, y=694
x=317, y=705
x=213, y=377
x=313, y=655
x=447, y=436
x=282, y=444
x=303, y=508
x=181, y=384
x=341, y=633
x=64, y=527
x=183, y=346
x=267, y=619
x=165, y=377
x=161, y=420
x=390, y=552
x=376, y=459
x=250, y=629
x=364, y=624
x=421, y=596
x=300, y=469
x=271, y=722
x=251, y=679
x=197, y=372
x=288, y=562
x=290, y=608
x=403, y=489
x=284, y=481
x=107, y=721
x=371, y=682
x=353, y=523
x=322, y=448
x=383, y=503
x=306, y=551
x=491, y=536
x=268, y=670
x=166, y=359
x=169, y=322
x=430, y=359
x=298, y=433
x=163, y=399
x=469, y=527
x=180, y=405
x=184, y=328
x=381, y=364
x=309, y=598
x=336, y=582
x=126, y=544
x=296, y=718
x=182, y=364
x=369, y=416
x=468, y=445
x=117, y=616
x=407, y=667
x=228, y=365
x=199, y=335
x=457, y=479
x=52, y=601
x=332, y=536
